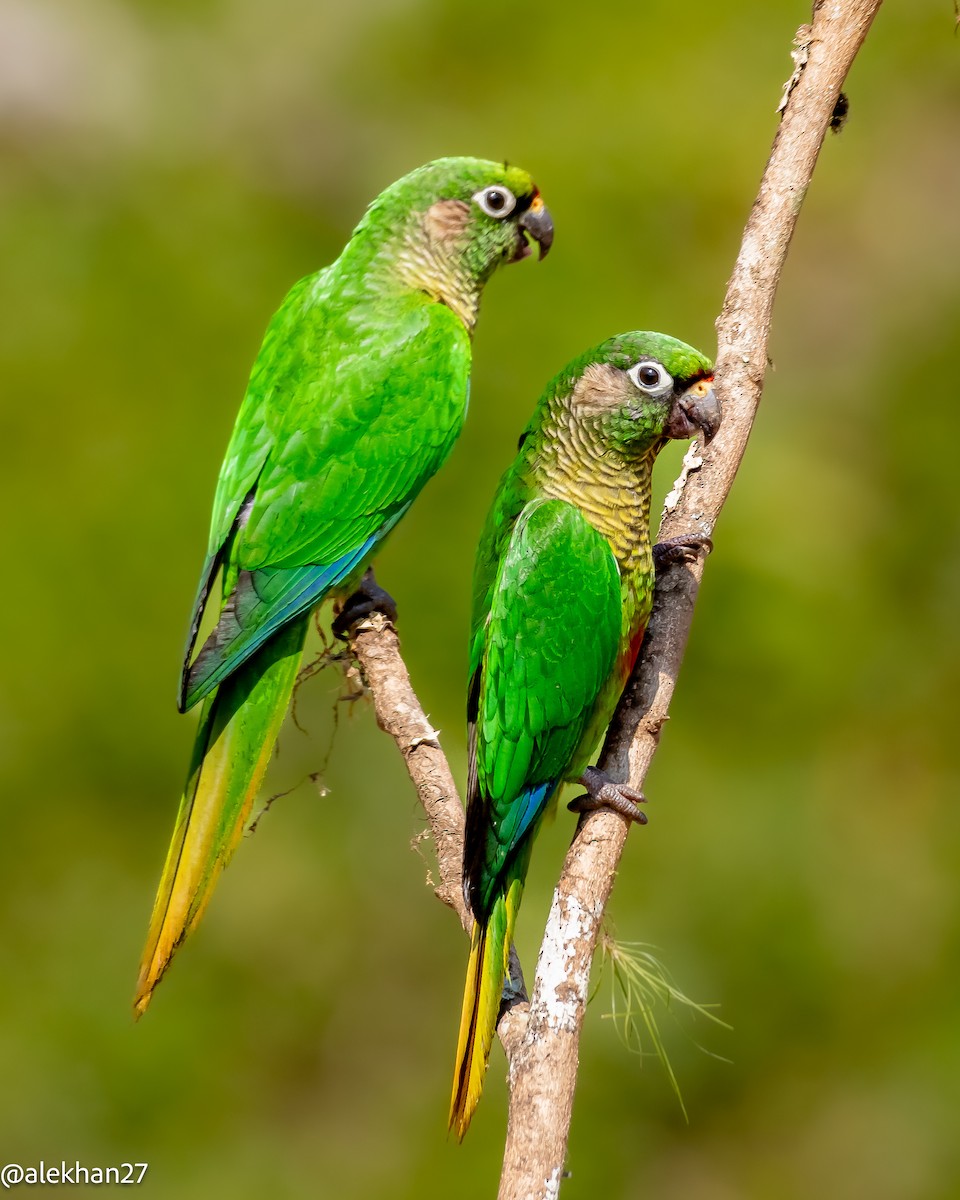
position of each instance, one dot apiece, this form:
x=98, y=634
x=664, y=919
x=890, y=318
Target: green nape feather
x=563, y=585
x=354, y=402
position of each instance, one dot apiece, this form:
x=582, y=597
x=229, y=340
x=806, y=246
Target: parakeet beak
x=696, y=409
x=539, y=224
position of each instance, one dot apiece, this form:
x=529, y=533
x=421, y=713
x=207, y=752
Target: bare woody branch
x=375, y=644
x=543, y=1073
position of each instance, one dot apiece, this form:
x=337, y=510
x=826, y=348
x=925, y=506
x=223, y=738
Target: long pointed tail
x=486, y=971
x=239, y=724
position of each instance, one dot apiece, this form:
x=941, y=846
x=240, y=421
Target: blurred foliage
x=167, y=170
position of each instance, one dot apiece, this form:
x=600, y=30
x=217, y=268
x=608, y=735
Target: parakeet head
x=448, y=225
x=636, y=390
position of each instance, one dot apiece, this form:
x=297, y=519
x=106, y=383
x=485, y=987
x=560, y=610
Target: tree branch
x=543, y=1072
x=375, y=644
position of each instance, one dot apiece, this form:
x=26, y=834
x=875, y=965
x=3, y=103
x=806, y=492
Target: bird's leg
x=369, y=597
x=602, y=792
x=683, y=549
x=514, y=987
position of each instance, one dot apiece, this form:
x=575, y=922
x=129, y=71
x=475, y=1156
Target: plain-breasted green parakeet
x=562, y=590
x=355, y=400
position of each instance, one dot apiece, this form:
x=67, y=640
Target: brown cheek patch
x=446, y=220
x=599, y=389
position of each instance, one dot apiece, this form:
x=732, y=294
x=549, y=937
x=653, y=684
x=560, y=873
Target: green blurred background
x=167, y=170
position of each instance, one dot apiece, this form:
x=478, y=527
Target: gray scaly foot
x=602, y=792
x=683, y=549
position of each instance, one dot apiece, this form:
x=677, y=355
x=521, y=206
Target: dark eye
x=652, y=378
x=496, y=201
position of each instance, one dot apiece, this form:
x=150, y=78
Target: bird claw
x=602, y=792
x=684, y=549
x=369, y=597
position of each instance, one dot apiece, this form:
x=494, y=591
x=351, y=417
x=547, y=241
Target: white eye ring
x=496, y=201
x=651, y=378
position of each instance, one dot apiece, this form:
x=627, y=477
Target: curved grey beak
x=696, y=409
x=539, y=224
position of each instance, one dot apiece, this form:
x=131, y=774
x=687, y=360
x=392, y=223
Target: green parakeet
x=562, y=590
x=355, y=400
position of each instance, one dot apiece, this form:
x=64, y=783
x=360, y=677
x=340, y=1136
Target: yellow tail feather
x=238, y=729
x=486, y=971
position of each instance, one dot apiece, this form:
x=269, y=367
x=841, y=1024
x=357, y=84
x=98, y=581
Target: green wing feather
x=329, y=450
x=380, y=420
x=545, y=651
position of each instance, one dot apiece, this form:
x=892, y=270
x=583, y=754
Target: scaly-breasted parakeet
x=354, y=402
x=562, y=590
